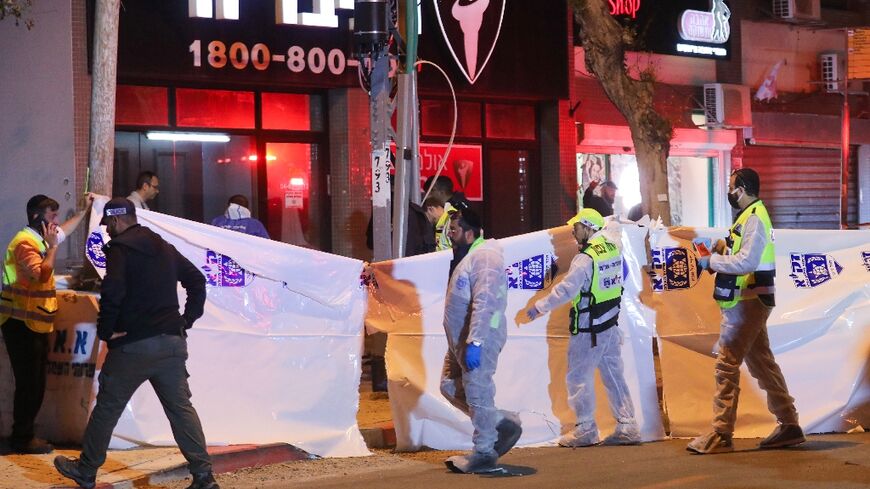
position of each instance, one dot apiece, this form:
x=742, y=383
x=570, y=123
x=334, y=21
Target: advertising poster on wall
x=464, y=166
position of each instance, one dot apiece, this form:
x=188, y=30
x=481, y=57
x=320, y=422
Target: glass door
x=297, y=201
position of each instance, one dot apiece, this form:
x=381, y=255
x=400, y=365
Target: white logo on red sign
x=464, y=24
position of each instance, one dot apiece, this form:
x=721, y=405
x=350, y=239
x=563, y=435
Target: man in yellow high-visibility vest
x=745, y=269
x=593, y=284
x=27, y=307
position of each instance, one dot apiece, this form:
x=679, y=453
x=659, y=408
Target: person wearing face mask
x=744, y=288
x=594, y=285
x=28, y=304
x=476, y=328
x=237, y=217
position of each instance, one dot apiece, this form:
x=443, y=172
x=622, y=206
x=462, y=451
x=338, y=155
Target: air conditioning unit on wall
x=797, y=9
x=833, y=70
x=727, y=105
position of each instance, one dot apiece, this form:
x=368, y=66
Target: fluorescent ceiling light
x=202, y=137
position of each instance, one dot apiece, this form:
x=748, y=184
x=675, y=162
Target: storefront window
x=296, y=206
x=214, y=108
x=688, y=185
x=513, y=200
x=292, y=111
x=510, y=121
x=436, y=118
x=142, y=106
x=196, y=178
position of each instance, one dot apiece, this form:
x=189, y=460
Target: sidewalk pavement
x=141, y=467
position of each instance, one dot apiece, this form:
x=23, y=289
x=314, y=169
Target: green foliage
x=17, y=9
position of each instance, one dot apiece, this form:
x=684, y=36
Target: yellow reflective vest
x=730, y=289
x=442, y=240
x=605, y=293
x=33, y=302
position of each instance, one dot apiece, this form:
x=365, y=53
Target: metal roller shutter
x=801, y=186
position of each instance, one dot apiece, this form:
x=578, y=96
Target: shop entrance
x=690, y=185
x=295, y=203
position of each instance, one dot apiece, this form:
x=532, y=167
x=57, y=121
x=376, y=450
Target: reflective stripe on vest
x=759, y=283
x=34, y=303
x=605, y=292
x=442, y=240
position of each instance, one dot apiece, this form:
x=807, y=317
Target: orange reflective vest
x=33, y=302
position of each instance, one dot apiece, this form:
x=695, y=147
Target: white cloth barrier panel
x=820, y=335
x=819, y=332
x=276, y=356
x=408, y=303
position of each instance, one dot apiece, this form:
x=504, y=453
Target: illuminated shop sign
x=624, y=7
x=462, y=25
x=286, y=11
x=677, y=27
x=711, y=27
x=263, y=42
x=488, y=47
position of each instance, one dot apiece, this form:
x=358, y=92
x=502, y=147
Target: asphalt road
x=824, y=461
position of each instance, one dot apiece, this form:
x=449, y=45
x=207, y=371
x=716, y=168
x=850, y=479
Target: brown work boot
x=785, y=435
x=712, y=442
x=34, y=446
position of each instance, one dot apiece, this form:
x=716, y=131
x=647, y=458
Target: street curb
x=380, y=436
x=224, y=459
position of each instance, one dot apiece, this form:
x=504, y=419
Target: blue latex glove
x=532, y=313
x=704, y=263
x=472, y=356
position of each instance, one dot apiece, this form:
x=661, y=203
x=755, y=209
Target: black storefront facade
x=286, y=121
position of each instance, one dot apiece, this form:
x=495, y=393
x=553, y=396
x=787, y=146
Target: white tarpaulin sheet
x=276, y=357
x=408, y=303
x=819, y=331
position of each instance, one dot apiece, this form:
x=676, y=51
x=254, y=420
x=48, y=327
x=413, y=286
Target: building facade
x=279, y=95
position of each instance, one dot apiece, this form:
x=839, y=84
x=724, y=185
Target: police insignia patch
x=813, y=269
x=222, y=271
x=533, y=273
x=94, y=250
x=673, y=269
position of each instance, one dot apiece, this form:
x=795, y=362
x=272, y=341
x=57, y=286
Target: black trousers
x=28, y=353
x=159, y=360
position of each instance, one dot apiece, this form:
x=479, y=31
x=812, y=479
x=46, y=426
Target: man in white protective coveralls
x=475, y=324
x=593, y=284
x=745, y=267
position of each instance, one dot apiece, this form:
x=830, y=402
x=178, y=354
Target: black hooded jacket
x=139, y=294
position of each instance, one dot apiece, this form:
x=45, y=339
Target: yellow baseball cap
x=589, y=218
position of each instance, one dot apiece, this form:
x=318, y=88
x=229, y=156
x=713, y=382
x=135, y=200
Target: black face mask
x=732, y=199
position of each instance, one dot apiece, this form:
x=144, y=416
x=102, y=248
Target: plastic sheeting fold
x=819, y=331
x=275, y=357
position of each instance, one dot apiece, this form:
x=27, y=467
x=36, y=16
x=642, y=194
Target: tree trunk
x=604, y=42
x=103, y=87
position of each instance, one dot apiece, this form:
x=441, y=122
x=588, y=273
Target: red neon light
x=624, y=7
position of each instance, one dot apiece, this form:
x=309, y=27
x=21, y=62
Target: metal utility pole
x=407, y=148
x=371, y=36
x=103, y=87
